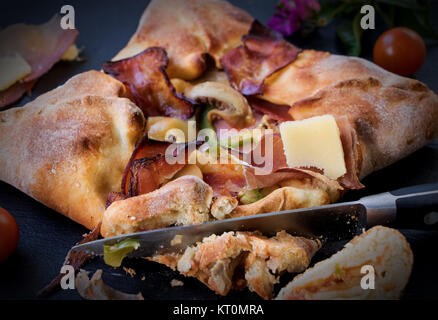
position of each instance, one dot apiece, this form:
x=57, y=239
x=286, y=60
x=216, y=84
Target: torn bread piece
x=183, y=201
x=235, y=260
x=382, y=249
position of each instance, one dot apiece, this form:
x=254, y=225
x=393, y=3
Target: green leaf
x=329, y=10
x=114, y=255
x=418, y=21
x=350, y=34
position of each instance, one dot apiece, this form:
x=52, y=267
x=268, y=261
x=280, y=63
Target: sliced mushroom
x=171, y=129
x=231, y=105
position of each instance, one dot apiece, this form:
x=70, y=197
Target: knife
x=411, y=207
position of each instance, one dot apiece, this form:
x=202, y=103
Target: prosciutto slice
x=274, y=169
x=40, y=45
x=274, y=111
x=145, y=75
x=262, y=53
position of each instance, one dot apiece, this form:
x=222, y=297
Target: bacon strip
x=274, y=111
x=145, y=75
x=148, y=174
x=225, y=179
x=40, y=45
x=263, y=52
x=148, y=169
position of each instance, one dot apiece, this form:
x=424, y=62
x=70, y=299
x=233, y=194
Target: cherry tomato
x=8, y=234
x=400, y=50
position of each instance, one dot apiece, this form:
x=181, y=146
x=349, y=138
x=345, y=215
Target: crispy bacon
x=145, y=149
x=40, y=45
x=149, y=168
x=145, y=75
x=148, y=174
x=274, y=111
x=262, y=53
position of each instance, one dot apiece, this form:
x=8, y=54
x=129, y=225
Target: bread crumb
x=129, y=271
x=176, y=283
x=176, y=240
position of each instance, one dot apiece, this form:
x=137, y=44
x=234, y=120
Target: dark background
x=46, y=236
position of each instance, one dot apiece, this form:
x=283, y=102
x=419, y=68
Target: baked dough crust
x=183, y=201
x=188, y=31
x=392, y=115
x=68, y=148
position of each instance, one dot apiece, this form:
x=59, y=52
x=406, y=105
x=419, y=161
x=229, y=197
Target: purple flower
x=291, y=13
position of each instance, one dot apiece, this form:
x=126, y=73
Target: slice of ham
x=274, y=168
x=150, y=167
x=145, y=75
x=225, y=179
x=40, y=45
x=274, y=111
x=262, y=53
x=146, y=148
x=15, y=92
x=148, y=174
x=349, y=144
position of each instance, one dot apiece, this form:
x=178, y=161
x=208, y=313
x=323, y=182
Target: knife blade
x=329, y=222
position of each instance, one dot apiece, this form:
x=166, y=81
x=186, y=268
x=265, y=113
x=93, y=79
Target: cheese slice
x=314, y=142
x=72, y=54
x=12, y=69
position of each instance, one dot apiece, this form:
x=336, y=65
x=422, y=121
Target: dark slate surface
x=46, y=236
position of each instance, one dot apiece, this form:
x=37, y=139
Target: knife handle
x=417, y=206
x=413, y=207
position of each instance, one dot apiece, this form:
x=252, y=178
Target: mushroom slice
x=230, y=104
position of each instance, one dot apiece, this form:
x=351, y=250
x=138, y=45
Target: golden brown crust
x=372, y=99
x=183, y=201
x=68, y=148
x=216, y=260
x=340, y=276
x=188, y=30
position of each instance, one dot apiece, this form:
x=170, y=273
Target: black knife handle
x=417, y=206
x=413, y=207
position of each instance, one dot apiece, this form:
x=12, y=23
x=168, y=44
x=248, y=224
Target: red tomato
x=8, y=234
x=400, y=50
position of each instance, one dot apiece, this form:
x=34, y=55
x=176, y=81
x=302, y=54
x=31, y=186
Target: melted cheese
x=314, y=142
